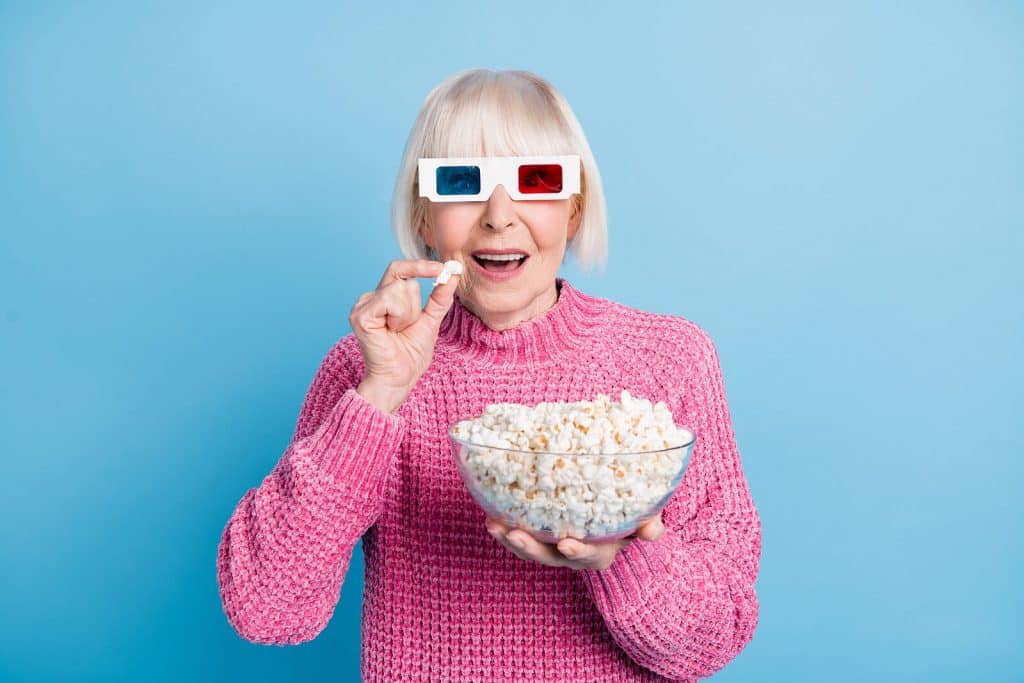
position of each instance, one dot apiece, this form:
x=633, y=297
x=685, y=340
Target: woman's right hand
x=396, y=336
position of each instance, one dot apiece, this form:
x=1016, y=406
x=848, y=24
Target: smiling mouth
x=499, y=266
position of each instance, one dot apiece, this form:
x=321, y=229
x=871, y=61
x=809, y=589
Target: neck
x=567, y=329
x=499, y=321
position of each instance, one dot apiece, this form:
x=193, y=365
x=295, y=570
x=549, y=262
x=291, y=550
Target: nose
x=498, y=213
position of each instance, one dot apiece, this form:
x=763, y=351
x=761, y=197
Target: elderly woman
x=450, y=594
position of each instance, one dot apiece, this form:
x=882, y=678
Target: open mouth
x=500, y=266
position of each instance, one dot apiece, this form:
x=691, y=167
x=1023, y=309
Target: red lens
x=540, y=178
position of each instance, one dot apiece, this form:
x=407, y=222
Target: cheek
x=453, y=226
x=550, y=227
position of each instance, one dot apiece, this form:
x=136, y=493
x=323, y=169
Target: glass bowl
x=593, y=497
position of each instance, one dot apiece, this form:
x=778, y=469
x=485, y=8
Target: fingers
x=569, y=552
x=592, y=555
x=576, y=550
x=395, y=306
x=402, y=269
x=527, y=547
x=398, y=311
x=652, y=529
x=411, y=290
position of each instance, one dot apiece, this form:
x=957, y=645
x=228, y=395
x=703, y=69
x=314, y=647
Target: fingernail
x=517, y=541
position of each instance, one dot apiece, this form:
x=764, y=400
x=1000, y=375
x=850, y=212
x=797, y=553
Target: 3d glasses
x=473, y=179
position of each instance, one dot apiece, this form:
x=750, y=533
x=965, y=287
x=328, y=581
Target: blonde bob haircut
x=481, y=112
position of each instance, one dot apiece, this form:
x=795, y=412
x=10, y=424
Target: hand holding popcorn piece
x=396, y=336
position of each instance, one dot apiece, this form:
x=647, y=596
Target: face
x=540, y=229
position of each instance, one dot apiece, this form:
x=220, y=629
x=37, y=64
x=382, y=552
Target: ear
x=576, y=217
x=425, y=230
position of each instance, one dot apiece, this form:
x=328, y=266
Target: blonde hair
x=481, y=112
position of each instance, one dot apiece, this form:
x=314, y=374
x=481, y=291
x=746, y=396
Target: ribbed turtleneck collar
x=563, y=330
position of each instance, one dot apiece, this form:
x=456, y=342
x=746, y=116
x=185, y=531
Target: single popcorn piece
x=450, y=268
x=597, y=464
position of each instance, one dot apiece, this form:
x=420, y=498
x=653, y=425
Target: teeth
x=500, y=257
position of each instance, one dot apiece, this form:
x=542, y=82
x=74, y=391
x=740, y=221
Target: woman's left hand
x=571, y=552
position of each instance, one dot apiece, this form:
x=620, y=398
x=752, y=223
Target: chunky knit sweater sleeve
x=286, y=548
x=684, y=606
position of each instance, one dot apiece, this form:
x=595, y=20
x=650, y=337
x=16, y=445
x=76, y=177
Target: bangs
x=498, y=117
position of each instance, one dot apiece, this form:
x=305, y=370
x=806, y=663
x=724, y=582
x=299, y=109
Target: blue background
x=193, y=196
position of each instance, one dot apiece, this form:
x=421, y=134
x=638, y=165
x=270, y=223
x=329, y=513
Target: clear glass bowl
x=591, y=497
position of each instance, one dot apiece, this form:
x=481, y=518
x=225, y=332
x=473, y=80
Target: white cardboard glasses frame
x=493, y=171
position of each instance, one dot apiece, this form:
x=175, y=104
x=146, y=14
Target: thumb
x=440, y=300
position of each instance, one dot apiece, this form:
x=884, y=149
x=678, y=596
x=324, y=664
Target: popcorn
x=585, y=469
x=450, y=268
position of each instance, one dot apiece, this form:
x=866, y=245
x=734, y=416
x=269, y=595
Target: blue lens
x=456, y=180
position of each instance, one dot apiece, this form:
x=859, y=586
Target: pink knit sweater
x=443, y=600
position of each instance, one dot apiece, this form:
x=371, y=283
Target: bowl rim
x=689, y=442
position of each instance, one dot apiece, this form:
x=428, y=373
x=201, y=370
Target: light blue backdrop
x=193, y=196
